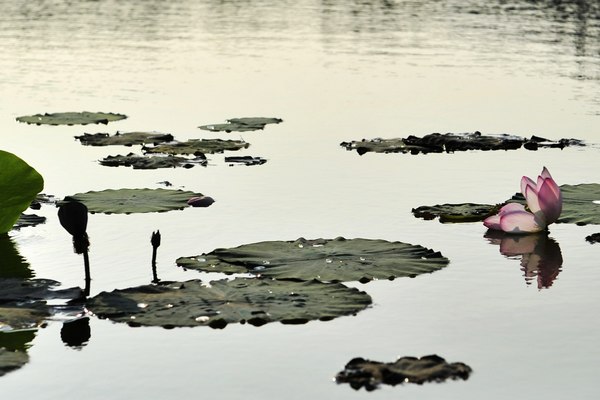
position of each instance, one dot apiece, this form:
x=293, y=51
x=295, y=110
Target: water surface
x=334, y=71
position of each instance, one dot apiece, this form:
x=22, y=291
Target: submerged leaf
x=334, y=260
x=128, y=201
x=197, y=147
x=242, y=124
x=255, y=301
x=28, y=220
x=124, y=139
x=71, y=118
x=13, y=349
x=19, y=184
x=370, y=374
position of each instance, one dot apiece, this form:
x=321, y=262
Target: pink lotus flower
x=544, y=201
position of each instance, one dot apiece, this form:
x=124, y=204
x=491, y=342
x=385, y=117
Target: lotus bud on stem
x=155, y=241
x=73, y=216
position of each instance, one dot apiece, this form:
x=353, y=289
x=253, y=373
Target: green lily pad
x=124, y=139
x=19, y=184
x=451, y=142
x=336, y=260
x=255, y=301
x=71, y=118
x=465, y=212
x=13, y=349
x=370, y=374
x=198, y=147
x=242, y=124
x=152, y=162
x=128, y=201
x=12, y=264
x=581, y=206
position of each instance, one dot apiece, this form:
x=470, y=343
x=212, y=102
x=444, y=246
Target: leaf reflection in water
x=541, y=258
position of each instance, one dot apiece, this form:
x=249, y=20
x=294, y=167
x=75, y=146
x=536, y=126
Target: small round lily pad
x=71, y=118
x=128, y=201
x=244, y=300
x=242, y=124
x=124, y=139
x=333, y=260
x=370, y=374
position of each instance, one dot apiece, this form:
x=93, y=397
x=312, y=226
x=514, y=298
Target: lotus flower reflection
x=544, y=201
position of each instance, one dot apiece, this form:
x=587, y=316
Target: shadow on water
x=541, y=258
x=12, y=264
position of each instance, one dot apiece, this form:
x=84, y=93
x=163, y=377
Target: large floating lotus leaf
x=71, y=118
x=124, y=139
x=451, y=142
x=19, y=184
x=335, y=260
x=242, y=124
x=128, y=201
x=370, y=374
x=12, y=264
x=13, y=349
x=466, y=212
x=255, y=301
x=198, y=147
x=151, y=162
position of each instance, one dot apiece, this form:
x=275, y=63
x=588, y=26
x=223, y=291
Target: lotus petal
x=550, y=200
x=526, y=181
x=520, y=222
x=533, y=203
x=492, y=222
x=545, y=173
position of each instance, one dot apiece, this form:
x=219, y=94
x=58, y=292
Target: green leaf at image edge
x=19, y=184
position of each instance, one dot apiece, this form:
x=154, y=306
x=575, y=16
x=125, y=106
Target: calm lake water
x=333, y=71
